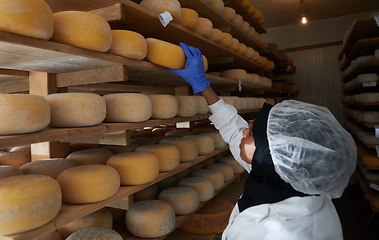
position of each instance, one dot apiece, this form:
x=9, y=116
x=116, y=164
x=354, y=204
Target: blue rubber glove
x=194, y=73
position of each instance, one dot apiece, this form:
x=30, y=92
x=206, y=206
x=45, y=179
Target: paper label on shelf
x=165, y=18
x=239, y=85
x=369, y=84
x=377, y=131
x=374, y=186
x=377, y=20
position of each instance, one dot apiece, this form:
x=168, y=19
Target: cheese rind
x=97, y=233
x=163, y=106
x=9, y=171
x=90, y=156
x=205, y=27
x=187, y=148
x=50, y=167
x=224, y=168
x=128, y=44
x=165, y=54
x=205, y=144
x=160, y=6
x=184, y=200
x=189, y=19
x=203, y=186
x=215, y=176
x=187, y=106
x=168, y=155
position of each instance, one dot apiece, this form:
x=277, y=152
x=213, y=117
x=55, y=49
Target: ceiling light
x=304, y=19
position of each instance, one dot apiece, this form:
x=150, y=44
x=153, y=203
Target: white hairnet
x=310, y=149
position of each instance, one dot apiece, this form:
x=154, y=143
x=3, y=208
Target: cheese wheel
x=135, y=168
x=251, y=9
x=184, y=200
x=250, y=103
x=187, y=106
x=9, y=171
x=254, y=78
x=262, y=20
x=82, y=29
x=127, y=107
x=202, y=105
x=165, y=54
x=256, y=37
x=229, y=13
x=205, y=27
x=218, y=6
x=90, y=156
x=76, y=109
x=97, y=233
x=205, y=144
x=205, y=62
x=249, y=52
x=256, y=56
x=101, y=218
x=227, y=41
x=189, y=19
x=163, y=106
x=245, y=27
x=168, y=155
x=177, y=133
x=150, y=219
x=49, y=167
x=148, y=193
x=219, y=142
x=257, y=15
x=122, y=149
x=88, y=183
x=28, y=202
x=224, y=168
x=187, y=148
x=237, y=74
x=235, y=45
x=217, y=35
x=242, y=49
x=203, y=186
x=54, y=235
x=160, y=6
x=128, y=44
x=15, y=159
x=245, y=3
x=32, y=18
x=237, y=168
x=238, y=20
x=215, y=176
x=212, y=218
x=251, y=33
x=23, y=113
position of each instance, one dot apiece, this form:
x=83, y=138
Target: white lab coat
x=295, y=218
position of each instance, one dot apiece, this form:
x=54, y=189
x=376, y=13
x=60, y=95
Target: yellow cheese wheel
x=205, y=27
x=215, y=176
x=127, y=107
x=251, y=9
x=100, y=218
x=256, y=56
x=97, y=233
x=28, y=202
x=217, y=35
x=168, y=155
x=229, y=13
x=224, y=168
x=203, y=186
x=249, y=52
x=219, y=142
x=23, y=113
x=202, y=105
x=205, y=62
x=128, y=44
x=148, y=193
x=262, y=20
x=218, y=6
x=32, y=18
x=49, y=167
x=187, y=148
x=76, y=109
x=122, y=149
x=189, y=19
x=136, y=167
x=238, y=20
x=251, y=33
x=370, y=160
x=90, y=156
x=150, y=219
x=245, y=3
x=187, y=106
x=165, y=54
x=205, y=144
x=9, y=171
x=237, y=74
x=184, y=200
x=163, y=106
x=242, y=49
x=88, y=183
x=235, y=45
x=15, y=159
x=257, y=15
x=237, y=168
x=160, y=6
x=227, y=41
x=82, y=29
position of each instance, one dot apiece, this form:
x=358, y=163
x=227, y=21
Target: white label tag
x=165, y=18
x=239, y=85
x=374, y=186
x=377, y=20
x=369, y=84
x=377, y=131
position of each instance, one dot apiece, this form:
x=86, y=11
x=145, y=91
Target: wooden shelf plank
x=361, y=48
x=370, y=66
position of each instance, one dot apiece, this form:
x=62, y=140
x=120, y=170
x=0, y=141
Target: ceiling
x=288, y=12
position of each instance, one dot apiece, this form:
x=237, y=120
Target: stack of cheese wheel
x=82, y=29
x=50, y=167
x=28, y=202
x=205, y=27
x=238, y=20
x=150, y=219
x=15, y=159
x=9, y=171
x=202, y=105
x=148, y=193
x=227, y=41
x=237, y=168
x=224, y=168
x=202, y=185
x=189, y=19
x=219, y=142
x=163, y=106
x=127, y=107
x=184, y=200
x=215, y=176
x=128, y=44
x=229, y=13
x=160, y=6
x=235, y=45
x=90, y=156
x=217, y=35
x=136, y=167
x=187, y=106
x=187, y=148
x=32, y=18
x=205, y=144
x=218, y=6
x=88, y=183
x=97, y=233
x=168, y=155
x=76, y=109
x=165, y=54
x=23, y=113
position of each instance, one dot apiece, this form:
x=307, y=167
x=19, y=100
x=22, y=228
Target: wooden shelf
x=370, y=66
x=363, y=87
x=361, y=48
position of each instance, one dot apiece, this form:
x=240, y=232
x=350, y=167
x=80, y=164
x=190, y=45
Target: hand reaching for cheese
x=194, y=73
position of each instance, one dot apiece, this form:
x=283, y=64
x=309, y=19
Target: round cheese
x=187, y=106
x=122, y=149
x=23, y=113
x=90, y=156
x=219, y=142
x=205, y=144
x=128, y=44
x=187, y=148
x=189, y=19
x=160, y=6
x=218, y=6
x=229, y=13
x=245, y=27
x=242, y=49
x=237, y=168
x=54, y=235
x=148, y=193
x=165, y=54
x=251, y=9
x=249, y=52
x=217, y=35
x=168, y=155
x=237, y=74
x=184, y=200
x=163, y=106
x=238, y=20
x=76, y=109
x=150, y=219
x=205, y=27
x=227, y=41
x=256, y=56
x=251, y=33
x=135, y=168
x=49, y=167
x=245, y=3
x=202, y=105
x=224, y=168
x=235, y=45
x=15, y=159
x=254, y=78
x=97, y=233
x=215, y=176
x=9, y=171
x=88, y=183
x=82, y=29
x=257, y=15
x=32, y=18
x=203, y=186
x=127, y=107
x=28, y=202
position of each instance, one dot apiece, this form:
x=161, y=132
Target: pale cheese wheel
x=238, y=20
x=9, y=171
x=97, y=233
x=205, y=144
x=219, y=142
x=187, y=148
x=262, y=20
x=135, y=168
x=235, y=45
x=237, y=168
x=15, y=159
x=76, y=109
x=243, y=102
x=218, y=6
x=165, y=54
x=88, y=183
x=215, y=176
x=184, y=200
x=256, y=37
x=189, y=19
x=49, y=167
x=202, y=104
x=224, y=168
x=150, y=219
x=229, y=13
x=82, y=29
x=127, y=107
x=250, y=103
x=101, y=218
x=245, y=27
x=148, y=193
x=202, y=185
x=28, y=202
x=227, y=41
x=128, y=44
x=90, y=156
x=187, y=106
x=256, y=56
x=255, y=78
x=23, y=113
x=217, y=35
x=249, y=52
x=160, y=6
x=251, y=33
x=163, y=106
x=168, y=155
x=237, y=74
x=205, y=27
